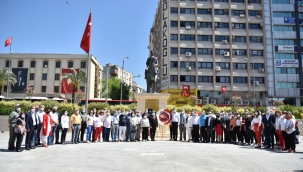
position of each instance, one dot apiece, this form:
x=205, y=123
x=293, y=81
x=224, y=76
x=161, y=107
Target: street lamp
x=106, y=89
x=253, y=68
x=122, y=80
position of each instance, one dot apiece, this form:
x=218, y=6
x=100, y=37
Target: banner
x=21, y=74
x=164, y=44
x=287, y=63
x=164, y=116
x=185, y=90
x=65, y=87
x=223, y=89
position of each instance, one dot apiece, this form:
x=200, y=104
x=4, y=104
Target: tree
x=114, y=89
x=4, y=74
x=74, y=78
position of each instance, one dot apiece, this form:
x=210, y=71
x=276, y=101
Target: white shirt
x=54, y=118
x=176, y=117
x=106, y=121
x=288, y=125
x=40, y=115
x=238, y=122
x=90, y=120
x=101, y=118
x=209, y=118
x=97, y=121
x=65, y=121
x=282, y=123
x=257, y=120
x=139, y=119
x=194, y=120
x=277, y=124
x=34, y=118
x=267, y=116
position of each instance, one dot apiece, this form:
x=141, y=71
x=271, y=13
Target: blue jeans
x=33, y=141
x=50, y=139
x=89, y=132
x=106, y=132
x=115, y=132
x=75, y=133
x=132, y=134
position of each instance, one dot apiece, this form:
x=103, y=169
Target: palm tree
x=74, y=78
x=4, y=74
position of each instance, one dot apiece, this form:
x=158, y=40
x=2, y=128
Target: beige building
x=116, y=71
x=43, y=73
x=207, y=44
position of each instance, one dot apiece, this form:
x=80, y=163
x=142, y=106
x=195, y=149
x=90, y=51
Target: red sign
x=65, y=87
x=164, y=117
x=223, y=89
x=185, y=90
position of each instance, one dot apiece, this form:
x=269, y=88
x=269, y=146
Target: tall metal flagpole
x=9, y=67
x=87, y=81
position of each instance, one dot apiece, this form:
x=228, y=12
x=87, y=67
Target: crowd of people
x=42, y=126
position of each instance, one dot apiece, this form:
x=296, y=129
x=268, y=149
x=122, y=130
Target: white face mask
x=267, y=111
x=256, y=113
x=94, y=111
x=42, y=109
x=65, y=113
x=174, y=111
x=83, y=111
x=18, y=109
x=238, y=116
x=144, y=116
x=23, y=116
x=32, y=110
x=153, y=114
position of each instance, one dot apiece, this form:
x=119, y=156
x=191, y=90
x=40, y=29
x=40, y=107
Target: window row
x=287, y=85
x=284, y=70
x=236, y=1
x=217, y=51
x=56, y=89
x=183, y=37
x=70, y=64
x=223, y=65
x=44, y=76
x=216, y=25
x=216, y=11
x=218, y=79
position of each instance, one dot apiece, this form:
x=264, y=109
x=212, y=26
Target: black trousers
x=145, y=133
x=38, y=135
x=269, y=136
x=249, y=137
x=12, y=138
x=57, y=133
x=226, y=135
x=233, y=134
x=195, y=133
x=171, y=132
x=82, y=131
x=175, y=130
x=291, y=140
x=238, y=132
x=19, y=141
x=203, y=134
x=153, y=133
x=286, y=140
x=63, y=135
x=29, y=137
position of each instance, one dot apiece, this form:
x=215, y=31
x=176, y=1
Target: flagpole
x=9, y=67
x=87, y=81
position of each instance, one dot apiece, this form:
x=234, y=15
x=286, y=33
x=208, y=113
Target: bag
x=297, y=132
x=134, y=130
x=16, y=127
x=223, y=125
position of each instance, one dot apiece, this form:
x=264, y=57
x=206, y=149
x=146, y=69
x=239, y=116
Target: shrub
x=207, y=108
x=278, y=103
x=262, y=109
x=98, y=106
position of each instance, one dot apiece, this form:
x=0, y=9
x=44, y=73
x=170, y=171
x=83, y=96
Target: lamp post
x=253, y=68
x=106, y=89
x=122, y=80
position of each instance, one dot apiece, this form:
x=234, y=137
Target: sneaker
x=87, y=141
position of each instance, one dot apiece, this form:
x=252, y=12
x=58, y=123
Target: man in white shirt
x=40, y=114
x=55, y=117
x=182, y=128
x=106, y=126
x=175, y=123
x=139, y=117
x=194, y=125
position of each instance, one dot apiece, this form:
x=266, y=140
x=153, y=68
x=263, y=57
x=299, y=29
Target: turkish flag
x=65, y=87
x=85, y=42
x=185, y=90
x=223, y=89
x=8, y=42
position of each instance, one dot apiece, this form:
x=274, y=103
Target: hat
x=17, y=105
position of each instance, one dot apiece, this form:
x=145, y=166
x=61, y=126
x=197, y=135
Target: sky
x=120, y=28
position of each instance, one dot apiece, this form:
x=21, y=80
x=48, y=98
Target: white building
x=116, y=71
x=43, y=73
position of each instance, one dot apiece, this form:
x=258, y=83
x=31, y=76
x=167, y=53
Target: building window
x=282, y=14
x=255, y=1
x=237, y=1
x=286, y=56
x=70, y=64
x=223, y=79
x=5, y=88
x=239, y=52
x=284, y=70
x=260, y=79
x=254, y=13
x=204, y=11
x=58, y=64
x=173, y=64
x=223, y=65
x=237, y=79
x=205, y=79
x=256, y=65
x=173, y=50
x=83, y=64
x=173, y=23
x=221, y=38
x=173, y=36
x=186, y=64
x=281, y=1
x=284, y=28
x=187, y=78
x=187, y=37
x=45, y=64
x=7, y=63
x=20, y=63
x=238, y=25
x=240, y=39
x=205, y=24
x=239, y=66
x=205, y=65
x=285, y=42
x=185, y=50
x=256, y=52
x=43, y=89
x=222, y=25
x=221, y=1
x=221, y=51
x=287, y=85
x=187, y=23
x=44, y=76
x=205, y=51
x=237, y=12
x=204, y=38
x=254, y=26
x=221, y=11
x=255, y=39
x=187, y=11
x=32, y=76
x=82, y=88
x=174, y=10
x=173, y=78
x=57, y=76
x=56, y=89
x=33, y=63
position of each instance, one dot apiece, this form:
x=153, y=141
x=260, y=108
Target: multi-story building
x=116, y=71
x=210, y=45
x=284, y=48
x=43, y=73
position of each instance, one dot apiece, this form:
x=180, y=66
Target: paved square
x=148, y=156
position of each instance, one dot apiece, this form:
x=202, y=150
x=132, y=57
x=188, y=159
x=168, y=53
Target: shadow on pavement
x=6, y=150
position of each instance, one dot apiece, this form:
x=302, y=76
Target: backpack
x=16, y=127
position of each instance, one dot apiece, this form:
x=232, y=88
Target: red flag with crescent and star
x=185, y=90
x=8, y=42
x=85, y=42
x=223, y=89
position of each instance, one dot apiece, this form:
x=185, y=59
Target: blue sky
x=120, y=28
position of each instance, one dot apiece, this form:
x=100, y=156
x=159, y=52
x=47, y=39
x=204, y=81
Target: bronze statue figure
x=151, y=73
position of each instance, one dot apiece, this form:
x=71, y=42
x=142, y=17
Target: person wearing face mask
x=268, y=121
x=122, y=126
x=128, y=116
x=90, y=125
x=194, y=125
x=65, y=125
x=256, y=123
x=115, y=126
x=133, y=126
x=278, y=129
x=40, y=114
x=32, y=121
x=46, y=129
x=153, y=121
x=249, y=137
x=145, y=125
x=226, y=128
x=98, y=126
x=290, y=130
x=210, y=127
x=232, y=128
x=175, y=122
x=202, y=123
x=188, y=129
x=138, y=116
x=20, y=131
x=83, y=125
x=12, y=120
x=55, y=118
x=182, y=128
x=75, y=120
x=106, y=126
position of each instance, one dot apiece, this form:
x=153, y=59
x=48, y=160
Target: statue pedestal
x=156, y=102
